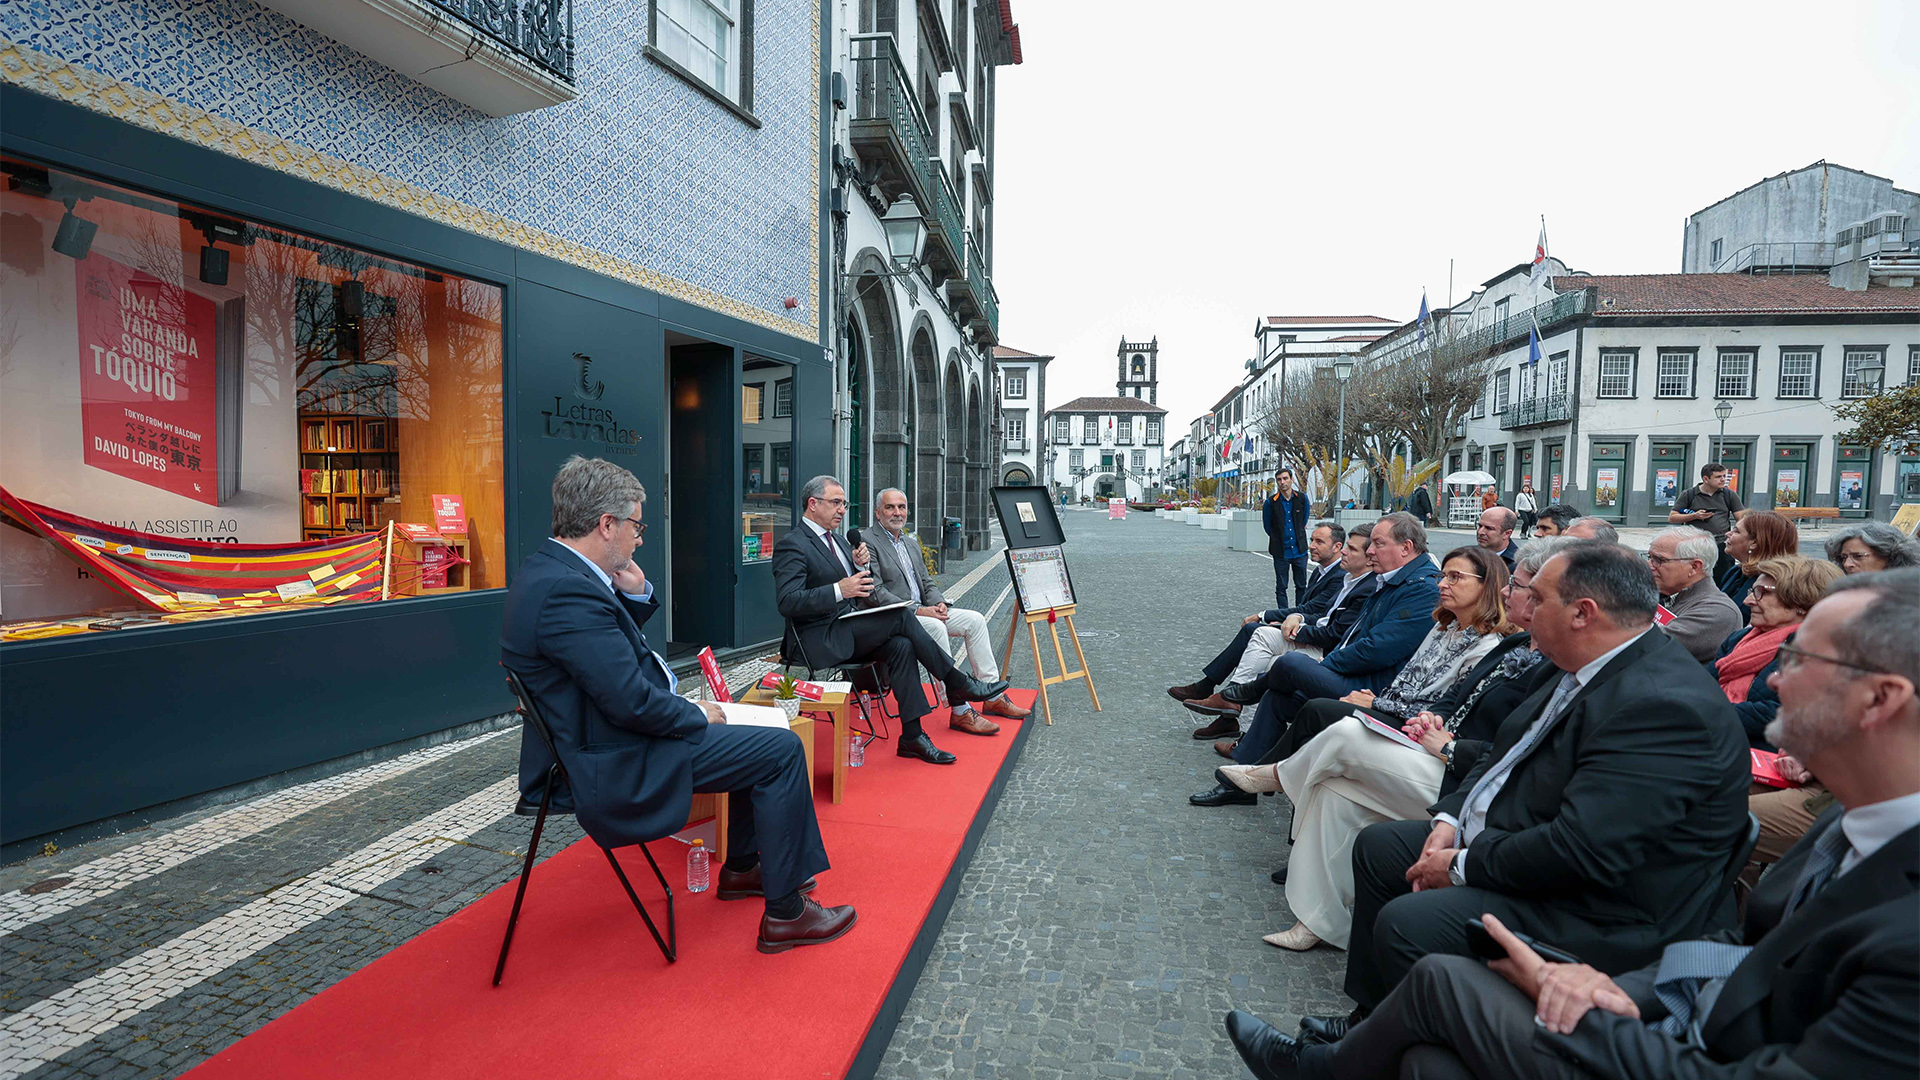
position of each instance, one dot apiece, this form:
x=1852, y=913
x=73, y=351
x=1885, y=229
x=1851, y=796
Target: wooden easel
x=1049, y=616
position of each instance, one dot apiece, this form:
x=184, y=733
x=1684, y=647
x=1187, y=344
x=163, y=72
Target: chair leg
x=670, y=945
x=526, y=871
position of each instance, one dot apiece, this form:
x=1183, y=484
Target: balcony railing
x=537, y=31
x=1018, y=446
x=1551, y=409
x=974, y=300
x=1784, y=257
x=891, y=134
x=1491, y=338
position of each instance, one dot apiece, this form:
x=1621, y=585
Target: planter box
x=1214, y=521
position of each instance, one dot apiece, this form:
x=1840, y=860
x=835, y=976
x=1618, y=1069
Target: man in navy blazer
x=634, y=751
x=1396, y=619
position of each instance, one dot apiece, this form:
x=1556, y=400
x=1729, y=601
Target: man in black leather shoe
x=634, y=751
x=819, y=580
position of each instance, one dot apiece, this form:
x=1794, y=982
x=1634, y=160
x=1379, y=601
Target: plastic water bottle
x=697, y=867
x=856, y=751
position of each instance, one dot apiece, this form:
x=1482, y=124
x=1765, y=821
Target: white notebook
x=739, y=715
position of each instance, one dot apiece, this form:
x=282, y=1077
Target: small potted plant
x=787, y=696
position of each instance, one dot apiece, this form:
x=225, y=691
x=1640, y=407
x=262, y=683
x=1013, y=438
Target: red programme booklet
x=1767, y=771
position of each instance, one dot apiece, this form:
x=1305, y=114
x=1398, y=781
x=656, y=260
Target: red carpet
x=587, y=994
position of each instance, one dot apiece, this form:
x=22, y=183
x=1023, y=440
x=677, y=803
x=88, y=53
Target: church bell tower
x=1140, y=370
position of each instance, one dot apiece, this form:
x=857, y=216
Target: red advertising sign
x=148, y=379
x=711, y=669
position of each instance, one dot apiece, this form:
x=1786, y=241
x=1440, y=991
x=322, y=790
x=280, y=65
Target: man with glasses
x=1601, y=819
x=820, y=581
x=1822, y=980
x=1703, y=617
x=635, y=752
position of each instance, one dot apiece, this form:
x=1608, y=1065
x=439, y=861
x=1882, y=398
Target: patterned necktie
x=1474, y=810
x=1692, y=973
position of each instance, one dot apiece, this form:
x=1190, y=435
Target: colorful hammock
x=191, y=576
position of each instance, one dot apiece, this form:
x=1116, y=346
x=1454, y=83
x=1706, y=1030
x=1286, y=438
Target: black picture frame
x=1043, y=531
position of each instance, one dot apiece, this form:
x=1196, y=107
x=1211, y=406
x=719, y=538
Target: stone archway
x=1017, y=475
x=957, y=459
x=1104, y=486
x=979, y=467
x=877, y=379
x=928, y=490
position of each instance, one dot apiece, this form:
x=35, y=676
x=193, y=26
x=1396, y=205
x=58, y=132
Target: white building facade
x=1021, y=385
x=912, y=151
x=1101, y=447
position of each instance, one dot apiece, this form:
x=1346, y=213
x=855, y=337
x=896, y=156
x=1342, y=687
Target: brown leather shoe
x=740, y=886
x=816, y=925
x=1004, y=706
x=1213, y=705
x=1227, y=726
x=1225, y=747
x=1189, y=691
x=972, y=723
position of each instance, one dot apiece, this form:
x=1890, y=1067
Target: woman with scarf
x=1782, y=590
x=1351, y=775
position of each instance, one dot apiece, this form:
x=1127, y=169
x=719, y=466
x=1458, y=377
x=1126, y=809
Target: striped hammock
x=192, y=577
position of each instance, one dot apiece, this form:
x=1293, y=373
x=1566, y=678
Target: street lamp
x=1342, y=371
x=1870, y=374
x=1721, y=410
x=906, y=232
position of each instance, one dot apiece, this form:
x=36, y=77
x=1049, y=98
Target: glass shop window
x=766, y=481
x=205, y=417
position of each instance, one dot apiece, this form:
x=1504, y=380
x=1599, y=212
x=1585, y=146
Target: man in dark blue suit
x=634, y=751
x=1391, y=626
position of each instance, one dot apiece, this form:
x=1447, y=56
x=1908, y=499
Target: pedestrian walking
x=1527, y=506
x=1284, y=515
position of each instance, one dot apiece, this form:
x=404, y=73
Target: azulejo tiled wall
x=641, y=177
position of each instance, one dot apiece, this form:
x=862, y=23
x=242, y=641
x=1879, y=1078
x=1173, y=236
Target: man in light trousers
x=903, y=577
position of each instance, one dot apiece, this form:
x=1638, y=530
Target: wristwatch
x=1457, y=869
x=1446, y=753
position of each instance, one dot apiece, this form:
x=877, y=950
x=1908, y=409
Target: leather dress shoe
x=1004, y=706
x=740, y=886
x=1225, y=747
x=1328, y=1029
x=1213, y=705
x=919, y=746
x=1228, y=726
x=1242, y=693
x=964, y=687
x=1190, y=691
x=1223, y=795
x=1278, y=877
x=816, y=925
x=972, y=723
x=1270, y=1054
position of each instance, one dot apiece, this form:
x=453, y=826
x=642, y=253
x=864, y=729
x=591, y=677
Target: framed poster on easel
x=1043, y=586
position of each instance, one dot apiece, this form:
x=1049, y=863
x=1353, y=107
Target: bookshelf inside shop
x=349, y=474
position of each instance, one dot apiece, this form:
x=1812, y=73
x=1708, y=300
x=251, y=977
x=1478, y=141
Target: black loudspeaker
x=213, y=265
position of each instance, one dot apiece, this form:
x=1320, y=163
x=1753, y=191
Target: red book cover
x=149, y=375
x=449, y=514
x=434, y=563
x=1661, y=615
x=810, y=691
x=415, y=533
x=710, y=668
x=1767, y=770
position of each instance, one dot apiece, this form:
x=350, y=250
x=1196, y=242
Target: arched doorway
x=957, y=460
x=1017, y=476
x=1103, y=486
x=880, y=441
x=979, y=466
x=928, y=488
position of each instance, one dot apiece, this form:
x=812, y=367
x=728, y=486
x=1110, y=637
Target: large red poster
x=148, y=379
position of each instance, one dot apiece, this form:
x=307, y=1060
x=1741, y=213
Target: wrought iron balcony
x=891, y=135
x=1018, y=446
x=537, y=31
x=1532, y=412
x=973, y=298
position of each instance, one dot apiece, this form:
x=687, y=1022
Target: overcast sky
x=1185, y=176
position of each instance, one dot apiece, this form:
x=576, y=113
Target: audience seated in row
x=1347, y=776
x=1823, y=979
x=1752, y=540
x=1870, y=546
x=1682, y=558
x=1391, y=626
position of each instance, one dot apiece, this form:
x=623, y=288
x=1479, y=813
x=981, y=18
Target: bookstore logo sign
x=594, y=423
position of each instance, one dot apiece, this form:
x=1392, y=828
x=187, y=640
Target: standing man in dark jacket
x=1285, y=517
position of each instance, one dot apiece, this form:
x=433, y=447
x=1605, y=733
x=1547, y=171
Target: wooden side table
x=839, y=708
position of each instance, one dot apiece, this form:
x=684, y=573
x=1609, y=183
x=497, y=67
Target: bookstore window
x=766, y=481
x=203, y=417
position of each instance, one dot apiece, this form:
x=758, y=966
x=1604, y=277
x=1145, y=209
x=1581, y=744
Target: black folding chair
x=868, y=679
x=1733, y=885
x=530, y=715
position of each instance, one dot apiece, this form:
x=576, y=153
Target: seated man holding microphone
x=903, y=577
x=820, y=582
